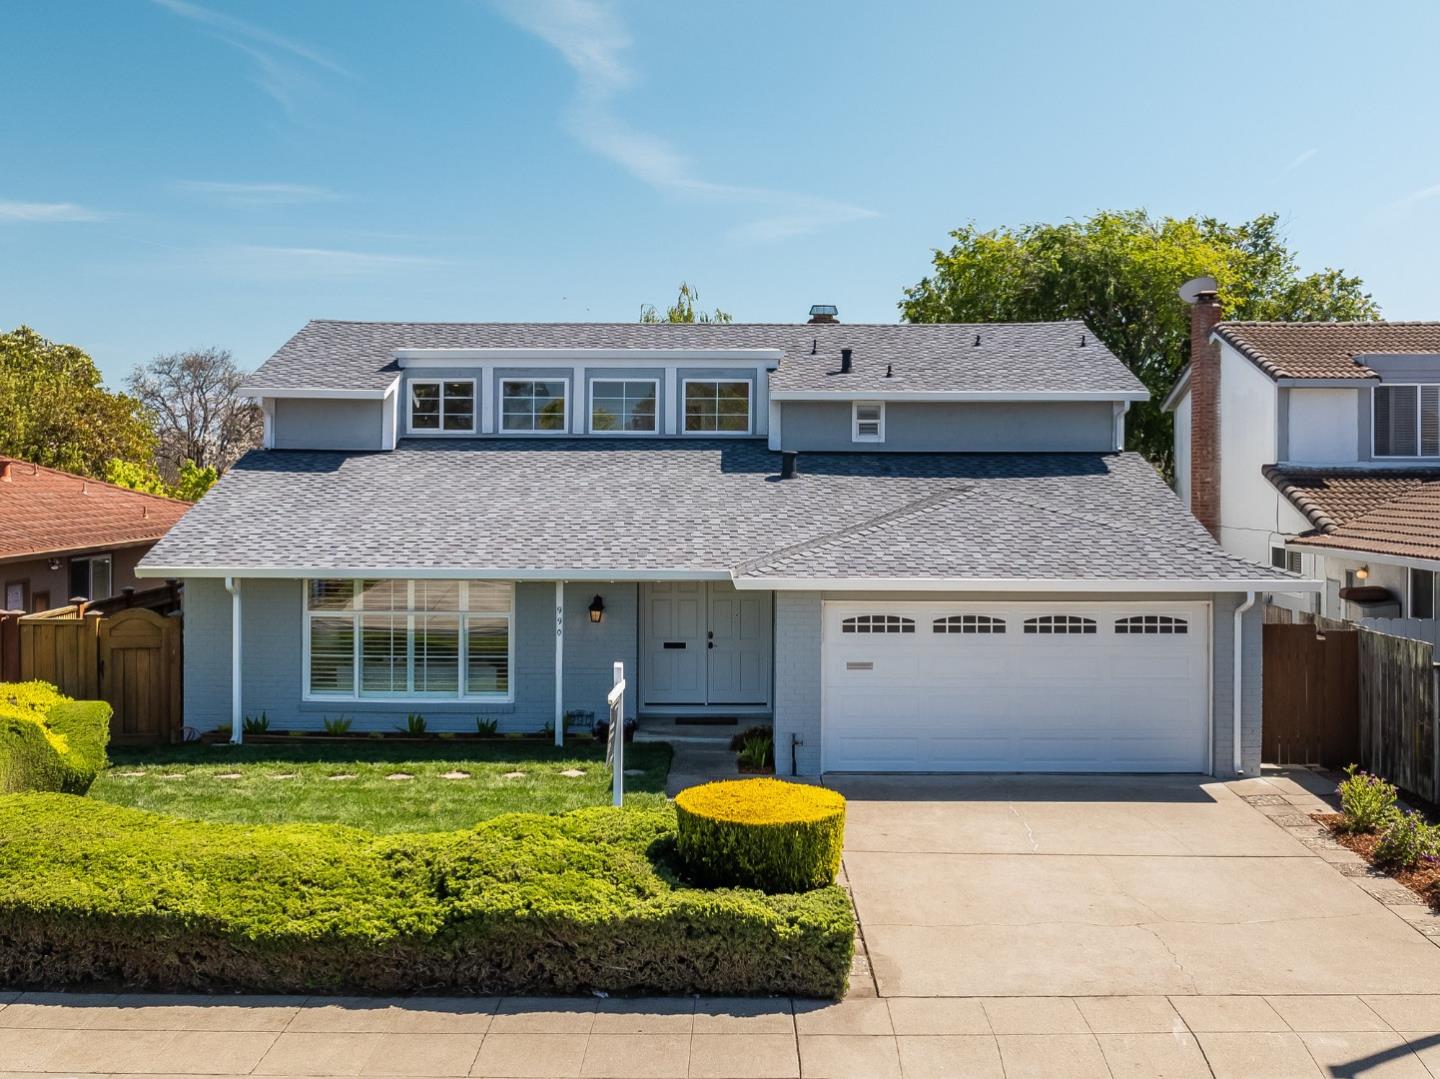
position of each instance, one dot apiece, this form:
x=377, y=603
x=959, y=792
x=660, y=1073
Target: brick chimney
x=1205, y=412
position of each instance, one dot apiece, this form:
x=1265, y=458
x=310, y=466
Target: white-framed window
x=1422, y=603
x=968, y=623
x=539, y=404
x=717, y=406
x=628, y=406
x=867, y=421
x=91, y=577
x=1281, y=558
x=409, y=640
x=1060, y=623
x=442, y=405
x=878, y=623
x=1406, y=420
x=1151, y=625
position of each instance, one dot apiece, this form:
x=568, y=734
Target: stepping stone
x=456, y=775
x=284, y=775
x=174, y=775
x=399, y=776
x=513, y=775
x=572, y=773
x=341, y=775
x=229, y=775
x=132, y=775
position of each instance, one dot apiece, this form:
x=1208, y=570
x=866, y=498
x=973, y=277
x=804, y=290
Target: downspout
x=1238, y=674
x=237, y=720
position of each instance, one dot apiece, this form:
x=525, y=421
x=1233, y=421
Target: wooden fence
x=1397, y=712
x=126, y=651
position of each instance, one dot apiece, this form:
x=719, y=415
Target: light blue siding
x=305, y=424
x=955, y=426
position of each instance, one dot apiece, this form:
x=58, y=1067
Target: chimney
x=845, y=355
x=824, y=313
x=1205, y=315
x=787, y=464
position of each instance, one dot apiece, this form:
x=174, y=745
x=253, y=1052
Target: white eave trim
x=958, y=395
x=323, y=393
x=421, y=573
x=1012, y=584
x=1179, y=390
x=452, y=357
x=1350, y=554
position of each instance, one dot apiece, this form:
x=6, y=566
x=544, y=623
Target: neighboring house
x=916, y=547
x=1316, y=447
x=64, y=536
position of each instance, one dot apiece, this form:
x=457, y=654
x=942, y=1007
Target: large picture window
x=717, y=406
x=1407, y=421
x=534, y=405
x=623, y=406
x=442, y=406
x=422, y=640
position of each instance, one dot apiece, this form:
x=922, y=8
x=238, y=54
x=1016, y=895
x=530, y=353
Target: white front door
x=996, y=687
x=704, y=643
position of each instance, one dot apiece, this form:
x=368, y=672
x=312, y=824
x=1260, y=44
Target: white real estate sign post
x=615, y=739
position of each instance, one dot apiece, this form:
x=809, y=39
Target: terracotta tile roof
x=1326, y=349
x=1396, y=513
x=45, y=511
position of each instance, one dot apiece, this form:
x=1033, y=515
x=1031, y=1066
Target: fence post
x=615, y=742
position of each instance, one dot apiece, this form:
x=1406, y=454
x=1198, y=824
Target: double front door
x=703, y=643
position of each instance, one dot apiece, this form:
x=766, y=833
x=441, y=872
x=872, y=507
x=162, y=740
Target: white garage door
x=1032, y=687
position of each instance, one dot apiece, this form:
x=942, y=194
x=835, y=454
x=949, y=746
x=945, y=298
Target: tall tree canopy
x=684, y=309
x=55, y=412
x=197, y=413
x=1119, y=271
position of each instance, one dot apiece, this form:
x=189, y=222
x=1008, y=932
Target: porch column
x=237, y=718
x=559, y=663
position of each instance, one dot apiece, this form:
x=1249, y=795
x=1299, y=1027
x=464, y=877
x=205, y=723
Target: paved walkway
x=1046, y=927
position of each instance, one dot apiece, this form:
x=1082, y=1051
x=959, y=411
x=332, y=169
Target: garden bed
x=102, y=895
x=1422, y=879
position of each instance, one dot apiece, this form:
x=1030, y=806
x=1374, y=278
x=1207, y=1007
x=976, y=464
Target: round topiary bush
x=761, y=833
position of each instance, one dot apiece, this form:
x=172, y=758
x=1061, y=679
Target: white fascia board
x=1349, y=554
x=632, y=357
x=319, y=392
x=421, y=573
x=1329, y=383
x=958, y=395
x=1011, y=584
x=1177, y=393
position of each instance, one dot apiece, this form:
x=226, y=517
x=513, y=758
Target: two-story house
x=914, y=547
x=1316, y=447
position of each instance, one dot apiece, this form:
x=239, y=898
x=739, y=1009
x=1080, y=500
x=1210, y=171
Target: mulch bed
x=1423, y=880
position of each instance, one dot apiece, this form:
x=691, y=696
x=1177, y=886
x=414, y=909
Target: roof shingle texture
x=44, y=511
x=1327, y=349
x=1015, y=357
x=592, y=507
x=1396, y=513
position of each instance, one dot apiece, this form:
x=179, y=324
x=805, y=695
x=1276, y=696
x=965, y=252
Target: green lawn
x=270, y=784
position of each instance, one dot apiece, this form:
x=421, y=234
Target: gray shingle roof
x=598, y=507
x=1015, y=357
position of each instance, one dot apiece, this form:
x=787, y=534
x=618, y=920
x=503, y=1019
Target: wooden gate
x=1311, y=696
x=139, y=654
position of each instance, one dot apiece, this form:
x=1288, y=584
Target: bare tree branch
x=192, y=399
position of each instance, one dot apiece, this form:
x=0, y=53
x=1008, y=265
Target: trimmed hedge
x=761, y=833
x=49, y=742
x=525, y=903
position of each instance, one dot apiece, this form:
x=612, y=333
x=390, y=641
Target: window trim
x=506, y=432
x=1419, y=388
x=1060, y=625
x=855, y=435
x=426, y=432
x=874, y=624
x=408, y=697
x=90, y=560
x=590, y=409
x=980, y=625
x=1153, y=624
x=1290, y=561
x=749, y=431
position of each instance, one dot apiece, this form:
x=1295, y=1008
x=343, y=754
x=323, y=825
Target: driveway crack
x=1029, y=833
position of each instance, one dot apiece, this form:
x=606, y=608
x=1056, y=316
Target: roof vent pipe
x=814, y=345
x=889, y=370
x=5, y=472
x=845, y=354
x=787, y=464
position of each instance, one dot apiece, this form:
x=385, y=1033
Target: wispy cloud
x=292, y=263
x=46, y=211
x=1299, y=159
x=591, y=38
x=257, y=194
x=284, y=67
x=1423, y=194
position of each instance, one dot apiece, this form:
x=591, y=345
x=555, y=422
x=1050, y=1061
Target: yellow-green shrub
x=49, y=742
x=761, y=833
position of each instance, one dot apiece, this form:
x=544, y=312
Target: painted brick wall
x=1252, y=664
x=207, y=654
x=591, y=649
x=797, y=681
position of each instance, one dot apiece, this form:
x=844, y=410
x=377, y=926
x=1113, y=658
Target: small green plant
x=1406, y=840
x=257, y=724
x=486, y=728
x=758, y=752
x=1366, y=801
x=414, y=725
x=295, y=734
x=337, y=725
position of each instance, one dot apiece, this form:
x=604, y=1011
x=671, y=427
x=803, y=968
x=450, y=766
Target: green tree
x=191, y=484
x=1119, y=272
x=55, y=412
x=684, y=309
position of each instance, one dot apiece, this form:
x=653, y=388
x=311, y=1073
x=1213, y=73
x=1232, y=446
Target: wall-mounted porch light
x=1363, y=573
x=597, y=609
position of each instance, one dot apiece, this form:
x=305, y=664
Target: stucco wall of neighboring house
x=272, y=645
x=798, y=622
x=1249, y=504
x=311, y=424
x=971, y=427
x=1332, y=567
x=1322, y=427
x=1182, y=449
x=38, y=577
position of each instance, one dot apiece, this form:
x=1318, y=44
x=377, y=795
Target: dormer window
x=443, y=405
x=1407, y=421
x=867, y=421
x=717, y=406
x=534, y=405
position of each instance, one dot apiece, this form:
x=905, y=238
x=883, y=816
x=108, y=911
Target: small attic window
x=867, y=421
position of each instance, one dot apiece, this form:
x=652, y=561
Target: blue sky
x=183, y=174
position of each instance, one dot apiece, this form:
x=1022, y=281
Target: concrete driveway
x=1051, y=886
